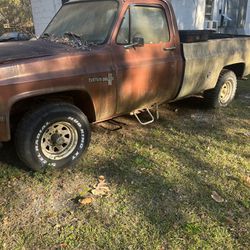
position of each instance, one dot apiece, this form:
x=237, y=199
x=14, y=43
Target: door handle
x=170, y=48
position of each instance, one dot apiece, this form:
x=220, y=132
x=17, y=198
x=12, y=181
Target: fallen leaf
x=247, y=180
x=229, y=220
x=57, y=226
x=101, y=178
x=247, y=134
x=101, y=188
x=216, y=197
x=86, y=201
x=100, y=191
x=6, y=221
x=62, y=246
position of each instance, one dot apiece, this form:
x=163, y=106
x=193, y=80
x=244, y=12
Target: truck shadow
x=191, y=103
x=9, y=158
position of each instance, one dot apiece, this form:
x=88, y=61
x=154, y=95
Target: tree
x=16, y=15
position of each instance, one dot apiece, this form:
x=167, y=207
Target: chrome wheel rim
x=59, y=141
x=226, y=92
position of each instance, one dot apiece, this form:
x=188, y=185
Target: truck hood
x=15, y=51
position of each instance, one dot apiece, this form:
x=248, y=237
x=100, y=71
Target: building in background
x=226, y=16
x=43, y=11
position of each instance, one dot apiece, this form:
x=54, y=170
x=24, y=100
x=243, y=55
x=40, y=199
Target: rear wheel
x=53, y=135
x=224, y=92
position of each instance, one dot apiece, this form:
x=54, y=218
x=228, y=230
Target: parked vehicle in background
x=101, y=59
x=14, y=36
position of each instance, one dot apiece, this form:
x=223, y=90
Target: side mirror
x=136, y=42
x=139, y=41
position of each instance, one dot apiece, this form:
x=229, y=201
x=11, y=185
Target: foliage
x=17, y=14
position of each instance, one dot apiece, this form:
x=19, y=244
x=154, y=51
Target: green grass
x=161, y=179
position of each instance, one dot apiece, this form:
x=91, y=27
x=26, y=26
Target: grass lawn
x=161, y=178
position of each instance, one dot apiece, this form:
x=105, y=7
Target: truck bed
x=192, y=36
x=207, y=56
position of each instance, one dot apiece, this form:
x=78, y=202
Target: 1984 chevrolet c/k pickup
x=100, y=59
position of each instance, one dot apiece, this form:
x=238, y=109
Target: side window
x=147, y=22
x=123, y=35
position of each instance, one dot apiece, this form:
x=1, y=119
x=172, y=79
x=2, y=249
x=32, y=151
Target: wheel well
x=80, y=99
x=238, y=69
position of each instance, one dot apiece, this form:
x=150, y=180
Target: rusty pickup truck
x=100, y=59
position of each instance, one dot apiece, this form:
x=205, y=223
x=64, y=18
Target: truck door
x=150, y=73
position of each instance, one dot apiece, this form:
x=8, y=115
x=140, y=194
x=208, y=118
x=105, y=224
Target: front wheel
x=224, y=91
x=53, y=135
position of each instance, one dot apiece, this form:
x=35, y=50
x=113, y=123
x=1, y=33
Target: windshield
x=91, y=21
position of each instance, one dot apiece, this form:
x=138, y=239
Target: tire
x=224, y=92
x=53, y=135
